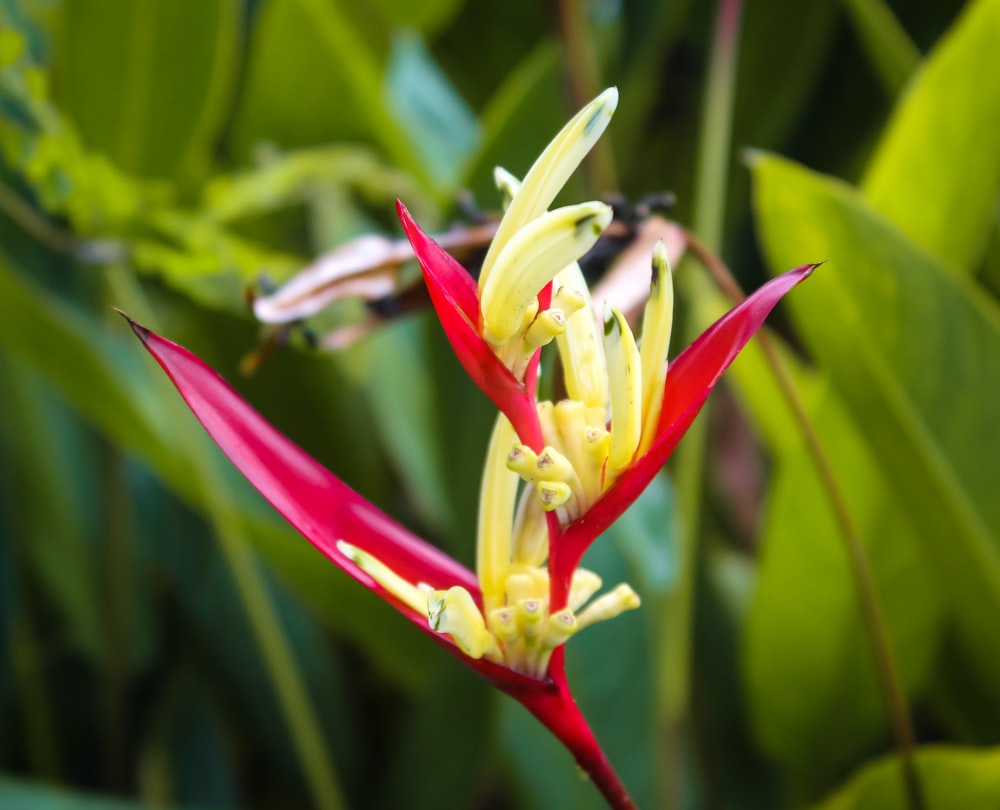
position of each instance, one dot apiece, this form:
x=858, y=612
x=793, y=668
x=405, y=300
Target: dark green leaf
x=914, y=351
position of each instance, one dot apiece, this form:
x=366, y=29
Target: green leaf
x=522, y=104
x=429, y=109
x=952, y=778
x=41, y=445
x=148, y=83
x=426, y=17
x=404, y=403
x=914, y=352
x=809, y=665
x=936, y=171
x=315, y=47
x=16, y=794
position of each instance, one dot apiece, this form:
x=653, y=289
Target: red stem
x=556, y=709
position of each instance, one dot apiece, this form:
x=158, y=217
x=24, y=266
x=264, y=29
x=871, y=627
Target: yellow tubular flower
x=497, y=499
x=532, y=258
x=608, y=606
x=550, y=172
x=580, y=347
x=625, y=376
x=657, y=322
x=531, y=532
x=454, y=612
x=406, y=592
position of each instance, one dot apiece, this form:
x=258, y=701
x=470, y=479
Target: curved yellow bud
x=406, y=592
x=550, y=172
x=657, y=322
x=455, y=612
x=608, y=606
x=497, y=501
x=580, y=347
x=625, y=377
x=532, y=258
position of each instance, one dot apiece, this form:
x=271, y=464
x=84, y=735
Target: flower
x=556, y=474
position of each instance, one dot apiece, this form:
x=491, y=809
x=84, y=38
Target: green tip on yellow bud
x=507, y=185
x=455, y=612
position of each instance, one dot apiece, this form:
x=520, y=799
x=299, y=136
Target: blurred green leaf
x=914, y=351
x=404, y=404
x=315, y=47
x=521, y=105
x=936, y=171
x=109, y=382
x=952, y=778
x=809, y=665
x=148, y=83
x=39, y=445
x=429, y=110
x=426, y=16
x=16, y=794
x=893, y=56
x=442, y=746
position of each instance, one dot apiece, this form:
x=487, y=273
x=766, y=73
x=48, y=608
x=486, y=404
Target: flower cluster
x=557, y=474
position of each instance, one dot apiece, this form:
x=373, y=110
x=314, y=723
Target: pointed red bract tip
x=690, y=378
x=141, y=332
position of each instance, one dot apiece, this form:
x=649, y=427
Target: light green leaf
x=429, y=109
x=148, y=83
x=936, y=171
x=914, y=352
x=951, y=779
x=315, y=47
x=809, y=664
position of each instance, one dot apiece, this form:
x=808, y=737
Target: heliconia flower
x=556, y=474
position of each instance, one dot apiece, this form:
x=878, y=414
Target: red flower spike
x=690, y=379
x=324, y=510
x=455, y=299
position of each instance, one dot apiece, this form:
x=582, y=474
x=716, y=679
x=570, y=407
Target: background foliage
x=164, y=638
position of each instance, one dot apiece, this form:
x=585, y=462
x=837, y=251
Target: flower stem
x=864, y=581
x=557, y=711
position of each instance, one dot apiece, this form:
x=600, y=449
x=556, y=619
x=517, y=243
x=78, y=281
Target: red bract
x=690, y=379
x=323, y=509
x=456, y=302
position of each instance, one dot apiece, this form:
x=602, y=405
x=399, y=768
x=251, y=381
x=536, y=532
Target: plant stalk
x=861, y=572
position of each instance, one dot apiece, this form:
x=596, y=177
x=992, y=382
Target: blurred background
x=166, y=640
